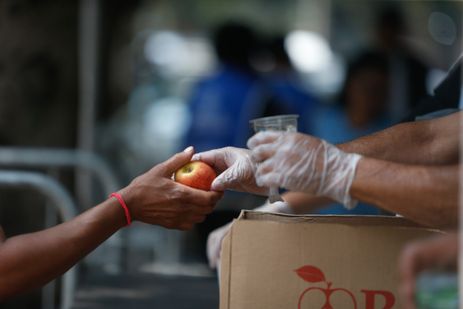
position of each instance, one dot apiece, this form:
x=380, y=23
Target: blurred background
x=95, y=92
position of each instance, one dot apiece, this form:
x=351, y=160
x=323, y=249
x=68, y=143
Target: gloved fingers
x=221, y=182
x=270, y=180
x=230, y=177
x=265, y=168
x=265, y=137
x=263, y=152
x=215, y=158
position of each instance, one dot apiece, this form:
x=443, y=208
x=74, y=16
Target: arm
x=31, y=260
x=301, y=163
x=427, y=142
x=424, y=194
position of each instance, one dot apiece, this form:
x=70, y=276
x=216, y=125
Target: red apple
x=196, y=174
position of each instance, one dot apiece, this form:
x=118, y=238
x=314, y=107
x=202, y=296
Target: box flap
x=357, y=220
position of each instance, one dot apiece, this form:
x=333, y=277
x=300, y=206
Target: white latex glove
x=303, y=163
x=214, y=241
x=235, y=168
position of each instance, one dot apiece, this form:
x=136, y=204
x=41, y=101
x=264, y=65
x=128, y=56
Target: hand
x=155, y=198
x=235, y=169
x=303, y=163
x=435, y=253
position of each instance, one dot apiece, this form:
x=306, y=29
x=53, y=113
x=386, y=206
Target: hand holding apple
x=155, y=198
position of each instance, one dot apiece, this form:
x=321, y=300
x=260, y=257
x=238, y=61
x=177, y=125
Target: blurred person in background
x=284, y=89
x=31, y=260
x=408, y=73
x=222, y=104
x=361, y=110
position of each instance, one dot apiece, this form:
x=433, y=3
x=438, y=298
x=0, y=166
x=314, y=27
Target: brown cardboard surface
x=357, y=254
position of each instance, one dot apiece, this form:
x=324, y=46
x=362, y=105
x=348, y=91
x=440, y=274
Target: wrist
x=120, y=199
x=340, y=173
x=115, y=213
x=129, y=196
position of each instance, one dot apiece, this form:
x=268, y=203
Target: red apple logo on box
x=313, y=274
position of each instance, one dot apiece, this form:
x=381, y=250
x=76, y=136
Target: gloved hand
x=214, y=241
x=303, y=163
x=235, y=168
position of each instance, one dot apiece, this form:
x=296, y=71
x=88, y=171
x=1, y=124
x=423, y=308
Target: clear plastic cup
x=287, y=123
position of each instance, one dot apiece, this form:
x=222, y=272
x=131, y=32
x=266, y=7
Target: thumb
x=177, y=161
x=224, y=181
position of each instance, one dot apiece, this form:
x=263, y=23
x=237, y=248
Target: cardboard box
x=280, y=261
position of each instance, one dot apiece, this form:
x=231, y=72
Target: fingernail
x=196, y=157
x=188, y=149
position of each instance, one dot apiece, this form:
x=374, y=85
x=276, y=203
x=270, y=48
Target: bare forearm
x=31, y=260
x=432, y=142
x=427, y=195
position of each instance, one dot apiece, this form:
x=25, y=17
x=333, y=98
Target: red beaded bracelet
x=124, y=205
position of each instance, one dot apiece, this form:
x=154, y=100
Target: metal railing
x=57, y=158
x=60, y=200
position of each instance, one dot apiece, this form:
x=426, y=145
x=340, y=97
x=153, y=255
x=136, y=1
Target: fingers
x=218, y=184
x=263, y=152
x=215, y=158
x=223, y=181
x=208, y=157
x=235, y=178
x=269, y=180
x=194, y=196
x=265, y=168
x=266, y=137
x=168, y=167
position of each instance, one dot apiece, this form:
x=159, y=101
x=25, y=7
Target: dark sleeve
x=446, y=95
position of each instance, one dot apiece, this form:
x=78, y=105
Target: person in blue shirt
x=222, y=104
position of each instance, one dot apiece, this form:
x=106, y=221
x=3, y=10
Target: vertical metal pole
x=89, y=30
x=89, y=47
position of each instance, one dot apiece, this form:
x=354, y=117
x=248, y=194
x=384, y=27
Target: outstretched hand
x=155, y=198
